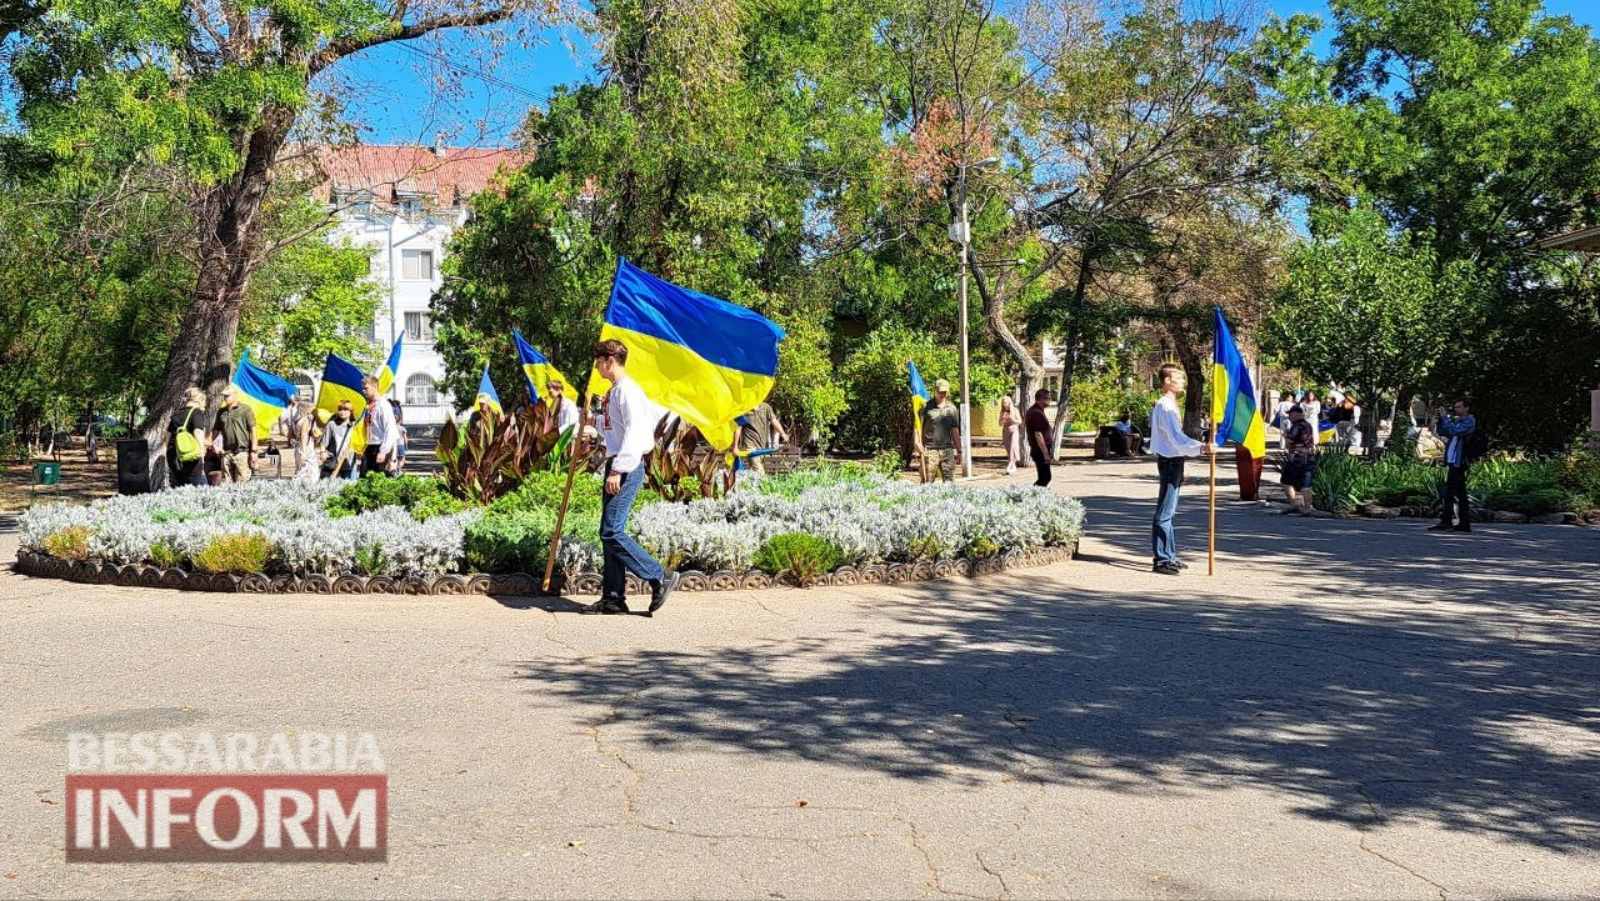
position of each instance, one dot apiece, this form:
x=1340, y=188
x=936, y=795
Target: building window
x=420, y=391
x=410, y=206
x=416, y=265
x=419, y=327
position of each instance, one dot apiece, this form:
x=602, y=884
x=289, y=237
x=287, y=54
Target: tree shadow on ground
x=1360, y=717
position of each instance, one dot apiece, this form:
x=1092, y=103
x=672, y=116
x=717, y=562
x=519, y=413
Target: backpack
x=1477, y=445
x=188, y=444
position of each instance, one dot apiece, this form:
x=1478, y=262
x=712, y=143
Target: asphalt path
x=1349, y=708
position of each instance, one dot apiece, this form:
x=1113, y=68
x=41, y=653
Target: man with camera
x=1464, y=446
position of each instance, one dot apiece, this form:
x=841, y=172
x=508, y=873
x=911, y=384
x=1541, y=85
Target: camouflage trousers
x=939, y=464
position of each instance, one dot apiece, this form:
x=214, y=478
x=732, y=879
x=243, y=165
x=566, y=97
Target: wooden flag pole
x=1211, y=538
x=579, y=453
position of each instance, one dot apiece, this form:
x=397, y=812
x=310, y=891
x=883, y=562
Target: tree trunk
x=1069, y=365
x=1194, y=368
x=231, y=231
x=1031, y=373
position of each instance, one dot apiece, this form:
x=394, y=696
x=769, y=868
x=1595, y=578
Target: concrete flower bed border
x=142, y=575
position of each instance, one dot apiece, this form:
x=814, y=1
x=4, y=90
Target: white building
x=404, y=202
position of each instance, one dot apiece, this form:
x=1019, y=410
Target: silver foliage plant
x=874, y=521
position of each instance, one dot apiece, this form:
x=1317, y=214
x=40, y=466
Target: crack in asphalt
x=1005, y=889
x=1372, y=806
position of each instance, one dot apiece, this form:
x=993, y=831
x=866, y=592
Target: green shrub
x=1578, y=472
x=370, y=559
x=1100, y=401
x=1533, y=502
x=887, y=463
x=820, y=474
x=798, y=555
x=440, y=504
x=165, y=555
x=71, y=543
x=240, y=552
x=375, y=490
x=509, y=540
x=874, y=376
x=981, y=547
x=928, y=547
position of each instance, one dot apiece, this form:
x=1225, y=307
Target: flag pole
x=1211, y=538
x=579, y=452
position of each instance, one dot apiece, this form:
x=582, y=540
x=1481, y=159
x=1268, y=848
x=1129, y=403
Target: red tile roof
x=448, y=175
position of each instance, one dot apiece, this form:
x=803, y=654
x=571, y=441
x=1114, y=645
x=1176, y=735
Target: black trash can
x=133, y=466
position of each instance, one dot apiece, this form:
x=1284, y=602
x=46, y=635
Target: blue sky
x=397, y=103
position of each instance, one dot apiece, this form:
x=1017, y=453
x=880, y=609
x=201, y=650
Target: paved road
x=1350, y=708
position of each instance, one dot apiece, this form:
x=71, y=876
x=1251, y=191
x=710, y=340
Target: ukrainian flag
x=264, y=393
x=919, y=397
x=386, y=374
x=341, y=381
x=537, y=368
x=1326, y=432
x=705, y=359
x=486, y=392
x=1233, y=397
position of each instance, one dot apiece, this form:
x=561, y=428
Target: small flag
x=1326, y=431
x=341, y=381
x=487, y=393
x=266, y=394
x=1233, y=397
x=919, y=396
x=701, y=357
x=537, y=368
x=387, y=373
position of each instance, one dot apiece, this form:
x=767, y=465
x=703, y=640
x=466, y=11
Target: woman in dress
x=1011, y=434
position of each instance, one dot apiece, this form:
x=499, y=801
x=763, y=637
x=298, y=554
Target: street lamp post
x=961, y=232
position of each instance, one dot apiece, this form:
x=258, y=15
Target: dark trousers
x=1163, y=538
x=369, y=461
x=1455, y=499
x=622, y=552
x=1041, y=465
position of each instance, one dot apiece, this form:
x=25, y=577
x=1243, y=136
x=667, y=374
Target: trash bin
x=133, y=466
x=47, y=473
x=1249, y=469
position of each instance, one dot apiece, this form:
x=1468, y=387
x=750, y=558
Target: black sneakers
x=606, y=606
x=1167, y=569
x=660, y=591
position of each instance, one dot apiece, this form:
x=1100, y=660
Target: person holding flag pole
x=1233, y=416
x=663, y=346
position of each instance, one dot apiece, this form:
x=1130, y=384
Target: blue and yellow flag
x=341, y=381
x=264, y=393
x=919, y=396
x=1326, y=431
x=386, y=374
x=1233, y=396
x=537, y=368
x=486, y=392
x=703, y=358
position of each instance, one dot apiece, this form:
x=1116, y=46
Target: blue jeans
x=622, y=553
x=1163, y=540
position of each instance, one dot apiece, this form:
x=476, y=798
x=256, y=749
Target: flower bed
x=1563, y=489
x=326, y=537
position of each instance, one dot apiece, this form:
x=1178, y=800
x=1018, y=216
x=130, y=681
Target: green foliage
x=807, y=396
x=165, y=555
x=874, y=377
x=543, y=490
x=494, y=453
x=71, y=543
x=1579, y=473
x=374, y=490
x=513, y=541
x=439, y=504
x=370, y=559
x=1533, y=486
x=799, y=556
x=1100, y=400
x=240, y=552
x=820, y=474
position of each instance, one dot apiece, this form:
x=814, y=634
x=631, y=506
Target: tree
x=213, y=89
x=1368, y=308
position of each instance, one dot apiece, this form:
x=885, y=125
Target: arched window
x=420, y=391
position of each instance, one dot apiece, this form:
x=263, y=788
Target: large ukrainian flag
x=1233, y=396
x=341, y=380
x=266, y=394
x=386, y=374
x=703, y=358
x=919, y=396
x=537, y=368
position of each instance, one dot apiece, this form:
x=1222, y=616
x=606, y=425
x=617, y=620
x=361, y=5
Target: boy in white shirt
x=1171, y=447
x=629, y=430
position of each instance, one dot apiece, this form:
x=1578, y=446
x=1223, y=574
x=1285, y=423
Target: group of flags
x=703, y=358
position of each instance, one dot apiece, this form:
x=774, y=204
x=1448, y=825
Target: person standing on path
x=338, y=457
x=1313, y=410
x=629, y=429
x=383, y=433
x=1300, y=466
x=1038, y=434
x=760, y=429
x=237, y=426
x=1011, y=434
x=941, y=433
x=1458, y=429
x=188, y=466
x=1171, y=447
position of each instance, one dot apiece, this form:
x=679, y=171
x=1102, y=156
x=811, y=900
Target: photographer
x=1458, y=430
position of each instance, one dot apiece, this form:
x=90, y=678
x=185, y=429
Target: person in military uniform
x=941, y=434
